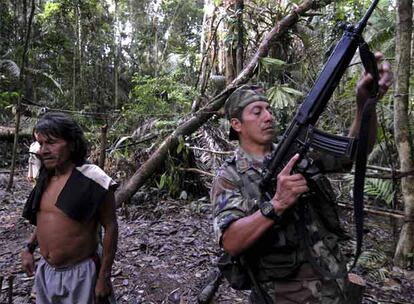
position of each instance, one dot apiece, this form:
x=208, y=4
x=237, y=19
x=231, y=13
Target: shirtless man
x=70, y=202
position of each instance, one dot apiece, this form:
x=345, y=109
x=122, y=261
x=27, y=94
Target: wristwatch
x=267, y=209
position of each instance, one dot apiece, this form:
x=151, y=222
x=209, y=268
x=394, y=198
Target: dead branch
x=195, y=120
x=8, y=133
x=211, y=151
x=393, y=214
x=195, y=170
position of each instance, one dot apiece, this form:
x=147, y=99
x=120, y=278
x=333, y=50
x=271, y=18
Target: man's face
x=54, y=152
x=256, y=125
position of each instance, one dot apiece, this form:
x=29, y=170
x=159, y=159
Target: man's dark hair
x=60, y=125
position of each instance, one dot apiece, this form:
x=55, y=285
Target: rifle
x=301, y=135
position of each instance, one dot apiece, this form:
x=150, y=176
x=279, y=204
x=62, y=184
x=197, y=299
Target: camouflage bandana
x=239, y=99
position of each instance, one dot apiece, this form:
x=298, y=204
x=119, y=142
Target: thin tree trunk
x=80, y=53
x=116, y=61
x=156, y=47
x=75, y=51
x=206, y=42
x=403, y=138
x=229, y=52
x=18, y=105
x=240, y=36
x=102, y=153
x=195, y=120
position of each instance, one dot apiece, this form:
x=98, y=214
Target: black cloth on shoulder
x=79, y=199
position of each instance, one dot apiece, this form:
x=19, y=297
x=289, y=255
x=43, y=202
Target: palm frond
x=282, y=96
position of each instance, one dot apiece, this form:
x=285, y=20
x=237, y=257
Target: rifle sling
x=370, y=65
x=359, y=179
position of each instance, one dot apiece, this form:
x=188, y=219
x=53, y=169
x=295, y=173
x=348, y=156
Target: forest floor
x=166, y=252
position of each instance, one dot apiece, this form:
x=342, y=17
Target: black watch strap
x=267, y=209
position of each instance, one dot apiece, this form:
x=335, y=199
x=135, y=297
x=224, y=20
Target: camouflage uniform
x=278, y=260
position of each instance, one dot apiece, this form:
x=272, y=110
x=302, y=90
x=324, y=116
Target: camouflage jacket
x=235, y=194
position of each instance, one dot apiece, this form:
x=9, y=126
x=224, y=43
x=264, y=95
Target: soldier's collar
x=245, y=161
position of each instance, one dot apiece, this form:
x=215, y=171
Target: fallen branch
x=8, y=133
x=211, y=151
x=197, y=119
x=195, y=170
x=394, y=214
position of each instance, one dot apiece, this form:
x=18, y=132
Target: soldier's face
x=257, y=124
x=54, y=152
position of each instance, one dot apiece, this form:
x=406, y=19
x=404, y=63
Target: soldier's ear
x=235, y=124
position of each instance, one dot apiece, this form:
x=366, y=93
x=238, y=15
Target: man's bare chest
x=52, y=192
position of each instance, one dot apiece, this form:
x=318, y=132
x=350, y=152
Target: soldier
x=289, y=250
x=69, y=203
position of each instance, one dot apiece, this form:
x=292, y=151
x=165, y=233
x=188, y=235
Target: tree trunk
x=403, y=138
x=206, y=42
x=117, y=41
x=229, y=51
x=102, y=153
x=239, y=6
x=195, y=120
x=18, y=105
x=75, y=51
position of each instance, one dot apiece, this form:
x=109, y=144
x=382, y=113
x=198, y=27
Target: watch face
x=267, y=208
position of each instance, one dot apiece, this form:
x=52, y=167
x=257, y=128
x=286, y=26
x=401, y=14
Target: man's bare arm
x=108, y=220
x=27, y=254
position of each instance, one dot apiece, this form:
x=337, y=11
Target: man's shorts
x=65, y=285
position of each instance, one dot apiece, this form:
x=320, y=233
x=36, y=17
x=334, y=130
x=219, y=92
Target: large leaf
x=282, y=96
x=269, y=63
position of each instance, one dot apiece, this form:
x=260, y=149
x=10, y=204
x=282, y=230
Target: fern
x=375, y=262
x=380, y=189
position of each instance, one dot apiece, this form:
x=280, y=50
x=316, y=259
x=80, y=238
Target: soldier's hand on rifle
x=289, y=187
x=384, y=82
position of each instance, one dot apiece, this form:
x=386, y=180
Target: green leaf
x=269, y=63
x=380, y=189
x=162, y=181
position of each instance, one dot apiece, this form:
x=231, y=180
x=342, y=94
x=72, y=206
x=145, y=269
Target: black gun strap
x=359, y=179
x=370, y=65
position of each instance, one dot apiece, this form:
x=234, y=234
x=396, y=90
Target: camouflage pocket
x=234, y=272
x=277, y=265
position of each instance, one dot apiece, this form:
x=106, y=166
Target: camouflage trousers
x=305, y=288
